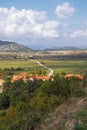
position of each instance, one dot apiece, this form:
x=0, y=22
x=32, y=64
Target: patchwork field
x=68, y=66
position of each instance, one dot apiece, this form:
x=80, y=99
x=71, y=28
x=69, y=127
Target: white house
x=1, y=85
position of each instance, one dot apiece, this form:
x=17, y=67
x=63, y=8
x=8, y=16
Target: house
x=39, y=77
x=25, y=78
x=74, y=75
x=22, y=75
x=1, y=85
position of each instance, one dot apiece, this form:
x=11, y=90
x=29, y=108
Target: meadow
x=68, y=66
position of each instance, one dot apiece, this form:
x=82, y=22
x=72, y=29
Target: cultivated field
x=68, y=66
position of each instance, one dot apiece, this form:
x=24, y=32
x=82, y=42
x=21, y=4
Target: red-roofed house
x=74, y=75
x=22, y=75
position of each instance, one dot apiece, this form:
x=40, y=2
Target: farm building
x=74, y=75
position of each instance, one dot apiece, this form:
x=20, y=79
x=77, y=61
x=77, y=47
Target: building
x=22, y=75
x=39, y=77
x=1, y=85
x=74, y=75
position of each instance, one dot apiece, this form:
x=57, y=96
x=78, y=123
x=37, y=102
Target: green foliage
x=2, y=113
x=81, y=120
x=4, y=101
x=28, y=104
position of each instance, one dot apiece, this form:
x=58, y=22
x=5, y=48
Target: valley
x=35, y=54
x=49, y=85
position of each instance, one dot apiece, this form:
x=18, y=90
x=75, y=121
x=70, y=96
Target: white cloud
x=26, y=24
x=65, y=10
x=79, y=33
x=47, y=29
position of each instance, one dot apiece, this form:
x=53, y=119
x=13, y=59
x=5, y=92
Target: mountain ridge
x=6, y=46
x=65, y=48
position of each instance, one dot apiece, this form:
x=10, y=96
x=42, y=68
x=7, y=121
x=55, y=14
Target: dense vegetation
x=24, y=106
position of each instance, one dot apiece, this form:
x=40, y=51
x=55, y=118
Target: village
x=30, y=77
x=25, y=76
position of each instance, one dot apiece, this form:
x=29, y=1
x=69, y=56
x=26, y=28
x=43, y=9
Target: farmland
x=15, y=64
x=68, y=66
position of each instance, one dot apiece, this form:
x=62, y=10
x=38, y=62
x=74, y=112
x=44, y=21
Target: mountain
x=63, y=48
x=6, y=46
x=68, y=48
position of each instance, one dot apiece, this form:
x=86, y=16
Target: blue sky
x=44, y=23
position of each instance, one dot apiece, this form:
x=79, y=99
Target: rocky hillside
x=68, y=116
x=6, y=46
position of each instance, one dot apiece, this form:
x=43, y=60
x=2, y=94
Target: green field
x=68, y=66
x=15, y=64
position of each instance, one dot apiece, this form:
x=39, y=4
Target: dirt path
x=51, y=70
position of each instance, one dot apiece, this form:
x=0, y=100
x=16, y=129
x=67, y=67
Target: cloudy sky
x=44, y=23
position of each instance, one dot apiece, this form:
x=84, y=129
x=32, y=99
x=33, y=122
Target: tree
x=4, y=101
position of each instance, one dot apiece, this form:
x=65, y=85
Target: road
x=51, y=70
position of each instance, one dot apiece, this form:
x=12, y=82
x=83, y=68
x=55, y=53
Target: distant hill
x=6, y=46
x=68, y=48
x=64, y=48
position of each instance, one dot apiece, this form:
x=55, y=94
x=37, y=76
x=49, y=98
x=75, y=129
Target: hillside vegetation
x=30, y=105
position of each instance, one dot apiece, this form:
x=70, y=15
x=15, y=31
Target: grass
x=15, y=64
x=81, y=119
x=68, y=66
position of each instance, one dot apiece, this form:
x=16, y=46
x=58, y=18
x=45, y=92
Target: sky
x=42, y=24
